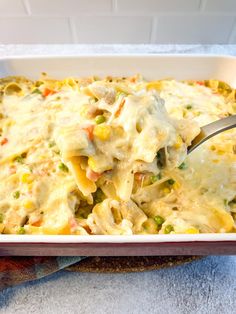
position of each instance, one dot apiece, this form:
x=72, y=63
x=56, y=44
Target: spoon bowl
x=211, y=130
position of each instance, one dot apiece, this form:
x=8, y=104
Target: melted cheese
x=105, y=157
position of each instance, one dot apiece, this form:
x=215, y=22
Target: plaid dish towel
x=16, y=270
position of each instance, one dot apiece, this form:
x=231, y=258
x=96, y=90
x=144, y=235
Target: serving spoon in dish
x=211, y=130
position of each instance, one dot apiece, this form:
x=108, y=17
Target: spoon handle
x=211, y=130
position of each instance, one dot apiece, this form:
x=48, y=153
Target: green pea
x=98, y=196
x=36, y=91
x=21, y=230
x=171, y=181
x=100, y=119
x=1, y=218
x=159, y=220
x=154, y=178
x=189, y=107
x=39, y=83
x=19, y=159
x=58, y=152
x=16, y=194
x=183, y=166
x=118, y=94
x=158, y=155
x=168, y=229
x=51, y=144
x=63, y=167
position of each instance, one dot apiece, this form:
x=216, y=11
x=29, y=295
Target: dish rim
x=150, y=238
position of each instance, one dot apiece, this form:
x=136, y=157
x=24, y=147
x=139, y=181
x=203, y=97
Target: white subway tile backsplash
x=34, y=31
x=69, y=7
x=150, y=6
x=187, y=29
x=118, y=21
x=220, y=5
x=108, y=30
x=12, y=7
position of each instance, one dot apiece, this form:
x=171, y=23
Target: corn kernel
x=84, y=111
x=21, y=93
x=42, y=157
x=192, y=230
x=10, y=123
x=70, y=82
x=118, y=131
x=176, y=186
x=154, y=85
x=99, y=164
x=30, y=187
x=102, y=132
x=28, y=204
x=196, y=113
x=56, y=106
x=26, y=178
x=150, y=226
x=178, y=142
x=2, y=226
x=185, y=113
x=92, y=163
x=166, y=190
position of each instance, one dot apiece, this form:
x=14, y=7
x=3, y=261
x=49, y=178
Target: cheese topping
x=91, y=156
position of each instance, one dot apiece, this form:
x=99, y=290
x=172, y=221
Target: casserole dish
x=152, y=67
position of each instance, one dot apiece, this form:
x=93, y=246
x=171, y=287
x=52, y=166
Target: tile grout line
x=73, y=30
x=130, y=14
x=113, y=6
x=232, y=32
x=153, y=30
x=202, y=5
x=27, y=6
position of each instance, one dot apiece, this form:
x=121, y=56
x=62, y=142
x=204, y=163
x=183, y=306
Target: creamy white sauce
x=53, y=157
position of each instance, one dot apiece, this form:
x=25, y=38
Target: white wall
x=118, y=21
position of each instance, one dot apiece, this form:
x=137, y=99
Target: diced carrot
x=4, y=141
x=73, y=224
x=12, y=169
x=200, y=83
x=92, y=175
x=86, y=227
x=37, y=223
x=139, y=176
x=65, y=230
x=48, y=92
x=132, y=79
x=43, y=172
x=89, y=131
x=120, y=108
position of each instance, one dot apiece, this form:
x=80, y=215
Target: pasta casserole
x=92, y=156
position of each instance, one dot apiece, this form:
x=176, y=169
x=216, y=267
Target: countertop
x=203, y=286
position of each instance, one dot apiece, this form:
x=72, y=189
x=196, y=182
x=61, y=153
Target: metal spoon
x=211, y=130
